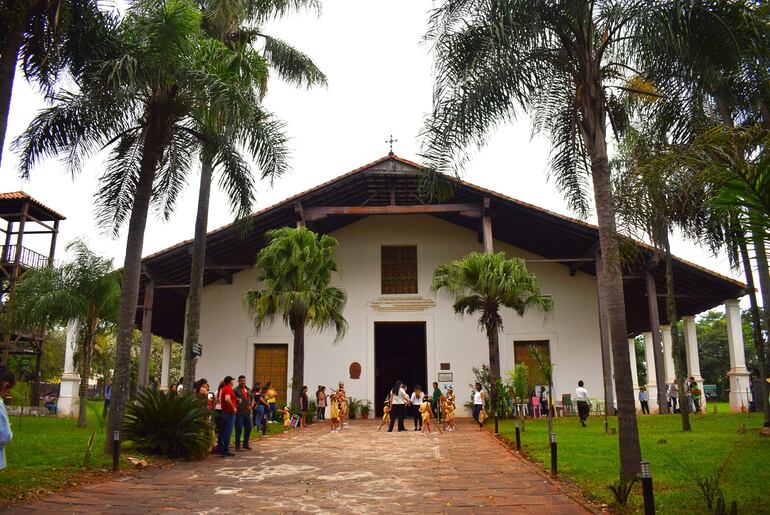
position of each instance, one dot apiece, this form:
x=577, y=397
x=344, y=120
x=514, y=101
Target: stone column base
x=68, y=402
x=740, y=395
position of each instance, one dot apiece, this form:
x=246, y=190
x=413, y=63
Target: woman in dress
x=334, y=412
x=343, y=400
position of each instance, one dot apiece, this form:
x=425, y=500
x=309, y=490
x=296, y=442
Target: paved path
x=355, y=471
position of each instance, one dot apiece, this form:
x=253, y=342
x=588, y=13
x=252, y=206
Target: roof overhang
x=393, y=181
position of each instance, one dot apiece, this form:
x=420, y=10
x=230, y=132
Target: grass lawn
x=589, y=457
x=47, y=454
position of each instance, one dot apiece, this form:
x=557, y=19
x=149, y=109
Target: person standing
x=696, y=393
x=270, y=397
x=416, y=400
x=581, y=397
x=543, y=401
x=437, y=399
x=673, y=396
x=107, y=396
x=398, y=402
x=304, y=406
x=244, y=403
x=7, y=380
x=688, y=394
x=478, y=404
x=321, y=402
x=227, y=396
x=644, y=398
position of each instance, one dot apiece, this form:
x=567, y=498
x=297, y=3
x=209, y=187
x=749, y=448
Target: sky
x=380, y=83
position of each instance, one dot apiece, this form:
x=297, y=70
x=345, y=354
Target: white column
x=649, y=360
x=67, y=405
x=739, y=375
x=164, y=368
x=632, y=359
x=691, y=352
x=668, y=354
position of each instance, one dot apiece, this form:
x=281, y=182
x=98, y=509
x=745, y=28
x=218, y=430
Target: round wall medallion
x=355, y=370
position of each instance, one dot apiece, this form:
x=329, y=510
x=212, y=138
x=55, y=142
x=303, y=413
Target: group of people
x=420, y=406
x=692, y=394
x=238, y=408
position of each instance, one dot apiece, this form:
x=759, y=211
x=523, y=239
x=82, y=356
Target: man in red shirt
x=227, y=399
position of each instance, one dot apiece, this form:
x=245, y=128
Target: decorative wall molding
x=401, y=304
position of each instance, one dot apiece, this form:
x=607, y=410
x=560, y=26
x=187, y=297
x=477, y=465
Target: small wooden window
x=445, y=366
x=399, y=269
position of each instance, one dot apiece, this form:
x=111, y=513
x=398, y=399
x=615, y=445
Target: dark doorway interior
x=399, y=353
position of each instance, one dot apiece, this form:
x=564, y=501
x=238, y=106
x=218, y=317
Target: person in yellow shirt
x=286, y=419
x=385, y=416
x=425, y=411
x=343, y=400
x=334, y=412
x=270, y=397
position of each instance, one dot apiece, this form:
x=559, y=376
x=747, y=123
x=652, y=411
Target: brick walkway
x=356, y=471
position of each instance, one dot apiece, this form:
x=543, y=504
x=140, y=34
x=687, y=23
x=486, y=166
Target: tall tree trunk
x=593, y=131
x=9, y=55
x=759, y=345
x=298, y=370
x=493, y=340
x=34, y=398
x=85, y=373
x=673, y=319
x=197, y=267
x=155, y=140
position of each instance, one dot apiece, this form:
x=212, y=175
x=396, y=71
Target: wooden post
x=54, y=235
x=12, y=284
x=657, y=345
x=146, y=346
x=604, y=336
x=486, y=228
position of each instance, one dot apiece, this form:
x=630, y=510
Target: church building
x=390, y=242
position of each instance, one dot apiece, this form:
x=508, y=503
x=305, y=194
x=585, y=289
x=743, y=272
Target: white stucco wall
x=228, y=334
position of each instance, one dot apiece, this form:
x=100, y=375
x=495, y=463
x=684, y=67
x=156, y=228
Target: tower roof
x=12, y=204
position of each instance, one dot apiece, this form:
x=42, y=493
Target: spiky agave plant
x=175, y=426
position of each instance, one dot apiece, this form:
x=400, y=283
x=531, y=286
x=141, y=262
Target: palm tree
x=260, y=135
x=482, y=284
x=141, y=100
x=716, y=97
x=564, y=62
x=86, y=290
x=294, y=271
x=48, y=37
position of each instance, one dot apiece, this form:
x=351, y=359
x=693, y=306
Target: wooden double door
x=271, y=362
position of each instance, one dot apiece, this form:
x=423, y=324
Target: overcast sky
x=379, y=83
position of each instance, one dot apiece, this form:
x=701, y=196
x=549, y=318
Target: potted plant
x=311, y=412
x=353, y=407
x=365, y=408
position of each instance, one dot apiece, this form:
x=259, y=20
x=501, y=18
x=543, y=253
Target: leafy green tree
x=86, y=290
x=259, y=134
x=713, y=348
x=483, y=284
x=294, y=272
x=564, y=63
x=46, y=38
x=142, y=100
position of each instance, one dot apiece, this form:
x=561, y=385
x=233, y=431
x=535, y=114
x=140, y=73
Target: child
x=304, y=405
x=449, y=415
x=386, y=416
x=343, y=400
x=334, y=412
x=286, y=419
x=425, y=411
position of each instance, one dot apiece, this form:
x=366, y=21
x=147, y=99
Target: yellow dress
x=343, y=402
x=334, y=410
x=425, y=410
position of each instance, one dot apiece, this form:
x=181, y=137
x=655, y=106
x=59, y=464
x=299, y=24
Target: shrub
x=175, y=426
x=353, y=406
x=365, y=408
x=312, y=409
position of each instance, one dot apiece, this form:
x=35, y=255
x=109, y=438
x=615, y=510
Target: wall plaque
x=445, y=377
x=355, y=370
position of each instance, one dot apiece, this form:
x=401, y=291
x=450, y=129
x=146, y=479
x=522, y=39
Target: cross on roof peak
x=390, y=141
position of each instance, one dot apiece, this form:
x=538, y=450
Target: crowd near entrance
x=400, y=352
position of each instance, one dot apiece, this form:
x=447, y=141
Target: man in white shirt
x=581, y=396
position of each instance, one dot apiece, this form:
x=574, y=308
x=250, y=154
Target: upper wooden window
x=399, y=269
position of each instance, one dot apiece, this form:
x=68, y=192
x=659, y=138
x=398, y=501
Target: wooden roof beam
x=588, y=256
x=316, y=213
